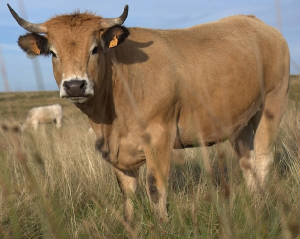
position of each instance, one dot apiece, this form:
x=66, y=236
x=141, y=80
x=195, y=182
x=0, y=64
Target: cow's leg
x=58, y=122
x=128, y=184
x=158, y=154
x=35, y=124
x=275, y=103
x=243, y=144
x=254, y=145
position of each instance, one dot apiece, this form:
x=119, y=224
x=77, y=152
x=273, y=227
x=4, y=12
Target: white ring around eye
x=93, y=47
x=53, y=52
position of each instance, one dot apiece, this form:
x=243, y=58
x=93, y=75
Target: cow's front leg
x=158, y=154
x=128, y=183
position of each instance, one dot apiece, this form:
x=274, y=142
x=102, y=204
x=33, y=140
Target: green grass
x=54, y=185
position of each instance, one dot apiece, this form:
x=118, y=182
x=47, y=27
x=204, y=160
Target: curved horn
x=110, y=22
x=31, y=27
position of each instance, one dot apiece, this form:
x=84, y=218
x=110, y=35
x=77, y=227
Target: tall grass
x=53, y=184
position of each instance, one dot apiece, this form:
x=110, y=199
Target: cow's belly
x=200, y=127
x=194, y=134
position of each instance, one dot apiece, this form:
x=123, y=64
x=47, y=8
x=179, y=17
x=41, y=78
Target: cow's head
x=78, y=43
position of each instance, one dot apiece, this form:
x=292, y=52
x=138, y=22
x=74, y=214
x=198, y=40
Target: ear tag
x=35, y=49
x=113, y=42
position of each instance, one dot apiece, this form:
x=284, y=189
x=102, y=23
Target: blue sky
x=151, y=13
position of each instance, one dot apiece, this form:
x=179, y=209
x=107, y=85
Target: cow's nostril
x=67, y=86
x=82, y=84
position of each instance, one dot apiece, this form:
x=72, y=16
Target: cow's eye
x=95, y=50
x=53, y=53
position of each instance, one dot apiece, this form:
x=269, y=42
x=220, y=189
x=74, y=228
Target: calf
x=43, y=114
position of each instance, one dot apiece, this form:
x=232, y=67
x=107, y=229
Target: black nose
x=75, y=88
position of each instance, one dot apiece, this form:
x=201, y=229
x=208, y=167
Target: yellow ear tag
x=113, y=42
x=35, y=49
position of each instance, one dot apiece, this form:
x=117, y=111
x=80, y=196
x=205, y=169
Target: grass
x=54, y=185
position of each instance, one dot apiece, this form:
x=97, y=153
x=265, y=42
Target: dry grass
x=54, y=185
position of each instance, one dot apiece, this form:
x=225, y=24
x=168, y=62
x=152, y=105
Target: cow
x=43, y=114
x=149, y=91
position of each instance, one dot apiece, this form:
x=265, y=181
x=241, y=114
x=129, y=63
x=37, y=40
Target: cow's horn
x=31, y=27
x=110, y=22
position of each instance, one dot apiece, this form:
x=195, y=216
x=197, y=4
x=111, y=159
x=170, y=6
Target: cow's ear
x=114, y=36
x=34, y=44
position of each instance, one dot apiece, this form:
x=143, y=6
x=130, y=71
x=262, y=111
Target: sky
x=163, y=14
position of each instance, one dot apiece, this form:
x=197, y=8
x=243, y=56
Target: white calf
x=43, y=114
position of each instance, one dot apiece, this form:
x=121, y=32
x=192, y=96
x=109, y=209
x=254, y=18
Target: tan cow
x=43, y=114
x=149, y=91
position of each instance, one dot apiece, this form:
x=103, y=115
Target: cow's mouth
x=78, y=99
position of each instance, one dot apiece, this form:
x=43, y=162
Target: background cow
x=149, y=91
x=43, y=114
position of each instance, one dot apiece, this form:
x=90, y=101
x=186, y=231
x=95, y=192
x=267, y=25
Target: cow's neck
x=100, y=109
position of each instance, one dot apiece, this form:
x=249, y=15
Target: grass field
x=53, y=184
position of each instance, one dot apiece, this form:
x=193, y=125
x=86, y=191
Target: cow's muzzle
x=77, y=90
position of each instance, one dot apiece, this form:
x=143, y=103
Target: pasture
x=53, y=184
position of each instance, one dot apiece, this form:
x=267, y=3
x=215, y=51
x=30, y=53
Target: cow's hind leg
x=275, y=103
x=254, y=144
x=243, y=144
x=128, y=183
